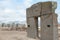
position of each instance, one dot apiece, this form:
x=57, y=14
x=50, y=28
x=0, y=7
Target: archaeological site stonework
x=48, y=21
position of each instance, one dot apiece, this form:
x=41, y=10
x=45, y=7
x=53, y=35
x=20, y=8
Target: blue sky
x=15, y=10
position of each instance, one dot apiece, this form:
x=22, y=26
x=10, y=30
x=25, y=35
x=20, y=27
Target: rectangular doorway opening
x=39, y=27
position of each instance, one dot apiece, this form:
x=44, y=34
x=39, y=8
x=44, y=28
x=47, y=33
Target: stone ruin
x=48, y=20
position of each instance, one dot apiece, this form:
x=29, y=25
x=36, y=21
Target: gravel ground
x=14, y=35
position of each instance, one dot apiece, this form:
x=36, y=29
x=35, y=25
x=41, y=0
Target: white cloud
x=27, y=3
x=8, y=10
x=10, y=14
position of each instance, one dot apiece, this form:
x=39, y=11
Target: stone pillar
x=49, y=28
x=32, y=27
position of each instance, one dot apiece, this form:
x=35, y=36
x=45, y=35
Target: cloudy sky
x=15, y=10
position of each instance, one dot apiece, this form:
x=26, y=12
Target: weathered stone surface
x=41, y=8
x=49, y=28
x=32, y=27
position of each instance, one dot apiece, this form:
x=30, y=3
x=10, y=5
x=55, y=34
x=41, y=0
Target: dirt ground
x=14, y=35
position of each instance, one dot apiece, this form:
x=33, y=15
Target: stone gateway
x=48, y=17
